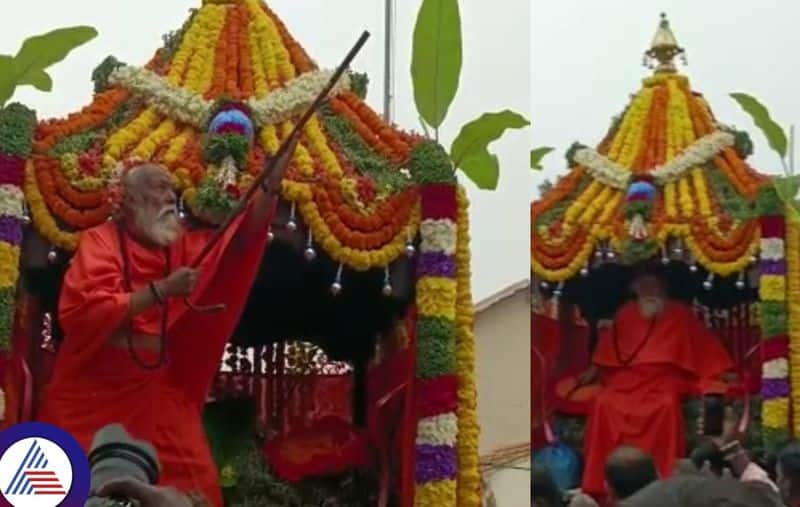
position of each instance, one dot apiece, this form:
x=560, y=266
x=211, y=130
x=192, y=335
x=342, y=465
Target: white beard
x=650, y=307
x=160, y=227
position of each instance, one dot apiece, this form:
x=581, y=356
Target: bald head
x=149, y=205
x=629, y=469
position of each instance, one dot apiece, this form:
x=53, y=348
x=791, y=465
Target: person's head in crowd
x=788, y=474
x=544, y=490
x=708, y=454
x=628, y=469
x=702, y=491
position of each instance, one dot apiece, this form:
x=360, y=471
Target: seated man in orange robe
x=654, y=353
x=133, y=352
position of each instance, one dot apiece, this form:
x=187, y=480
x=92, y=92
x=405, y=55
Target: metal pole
x=388, y=66
x=791, y=150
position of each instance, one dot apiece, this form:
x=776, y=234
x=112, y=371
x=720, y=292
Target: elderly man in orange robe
x=133, y=352
x=654, y=352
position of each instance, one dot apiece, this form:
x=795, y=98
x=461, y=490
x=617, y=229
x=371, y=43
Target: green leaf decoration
x=39, y=79
x=482, y=168
x=537, y=155
x=37, y=54
x=7, y=81
x=429, y=164
x=469, y=151
x=436, y=59
x=761, y=117
x=40, y=52
x=787, y=188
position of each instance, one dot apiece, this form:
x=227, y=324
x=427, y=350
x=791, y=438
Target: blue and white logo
x=42, y=466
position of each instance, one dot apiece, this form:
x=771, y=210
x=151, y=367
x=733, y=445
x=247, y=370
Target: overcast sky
x=587, y=59
x=495, y=76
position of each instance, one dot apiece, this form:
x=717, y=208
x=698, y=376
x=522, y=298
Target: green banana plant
x=787, y=186
x=28, y=66
x=435, y=72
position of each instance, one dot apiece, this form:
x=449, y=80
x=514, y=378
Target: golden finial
x=663, y=49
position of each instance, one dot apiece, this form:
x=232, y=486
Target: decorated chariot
x=668, y=185
x=351, y=374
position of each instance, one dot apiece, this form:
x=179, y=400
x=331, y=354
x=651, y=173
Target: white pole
x=388, y=66
x=791, y=150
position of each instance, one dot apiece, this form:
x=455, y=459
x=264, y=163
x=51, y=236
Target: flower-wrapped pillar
x=773, y=310
x=446, y=444
x=17, y=124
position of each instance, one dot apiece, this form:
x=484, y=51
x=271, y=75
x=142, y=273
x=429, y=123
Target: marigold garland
x=469, y=480
x=793, y=302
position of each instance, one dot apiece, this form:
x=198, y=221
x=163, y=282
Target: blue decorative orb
x=231, y=117
x=642, y=190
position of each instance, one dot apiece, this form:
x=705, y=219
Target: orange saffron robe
x=94, y=384
x=640, y=400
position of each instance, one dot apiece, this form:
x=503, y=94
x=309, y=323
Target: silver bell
x=291, y=225
x=52, y=256
x=310, y=254
x=708, y=284
x=410, y=250
x=387, y=289
x=610, y=254
x=693, y=268
x=336, y=288
x=270, y=236
x=584, y=271
x=544, y=285
x=740, y=284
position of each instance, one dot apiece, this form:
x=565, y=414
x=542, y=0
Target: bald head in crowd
x=628, y=470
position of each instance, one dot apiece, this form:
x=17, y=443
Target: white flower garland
x=438, y=430
x=776, y=369
x=438, y=236
x=172, y=101
x=295, y=98
x=193, y=109
x=602, y=169
x=11, y=199
x=614, y=175
x=700, y=152
x=772, y=249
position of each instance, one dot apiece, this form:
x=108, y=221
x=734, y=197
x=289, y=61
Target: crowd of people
x=718, y=473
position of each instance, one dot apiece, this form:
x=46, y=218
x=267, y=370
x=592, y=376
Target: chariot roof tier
x=668, y=178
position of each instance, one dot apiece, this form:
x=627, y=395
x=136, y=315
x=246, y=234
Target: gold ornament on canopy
x=664, y=49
